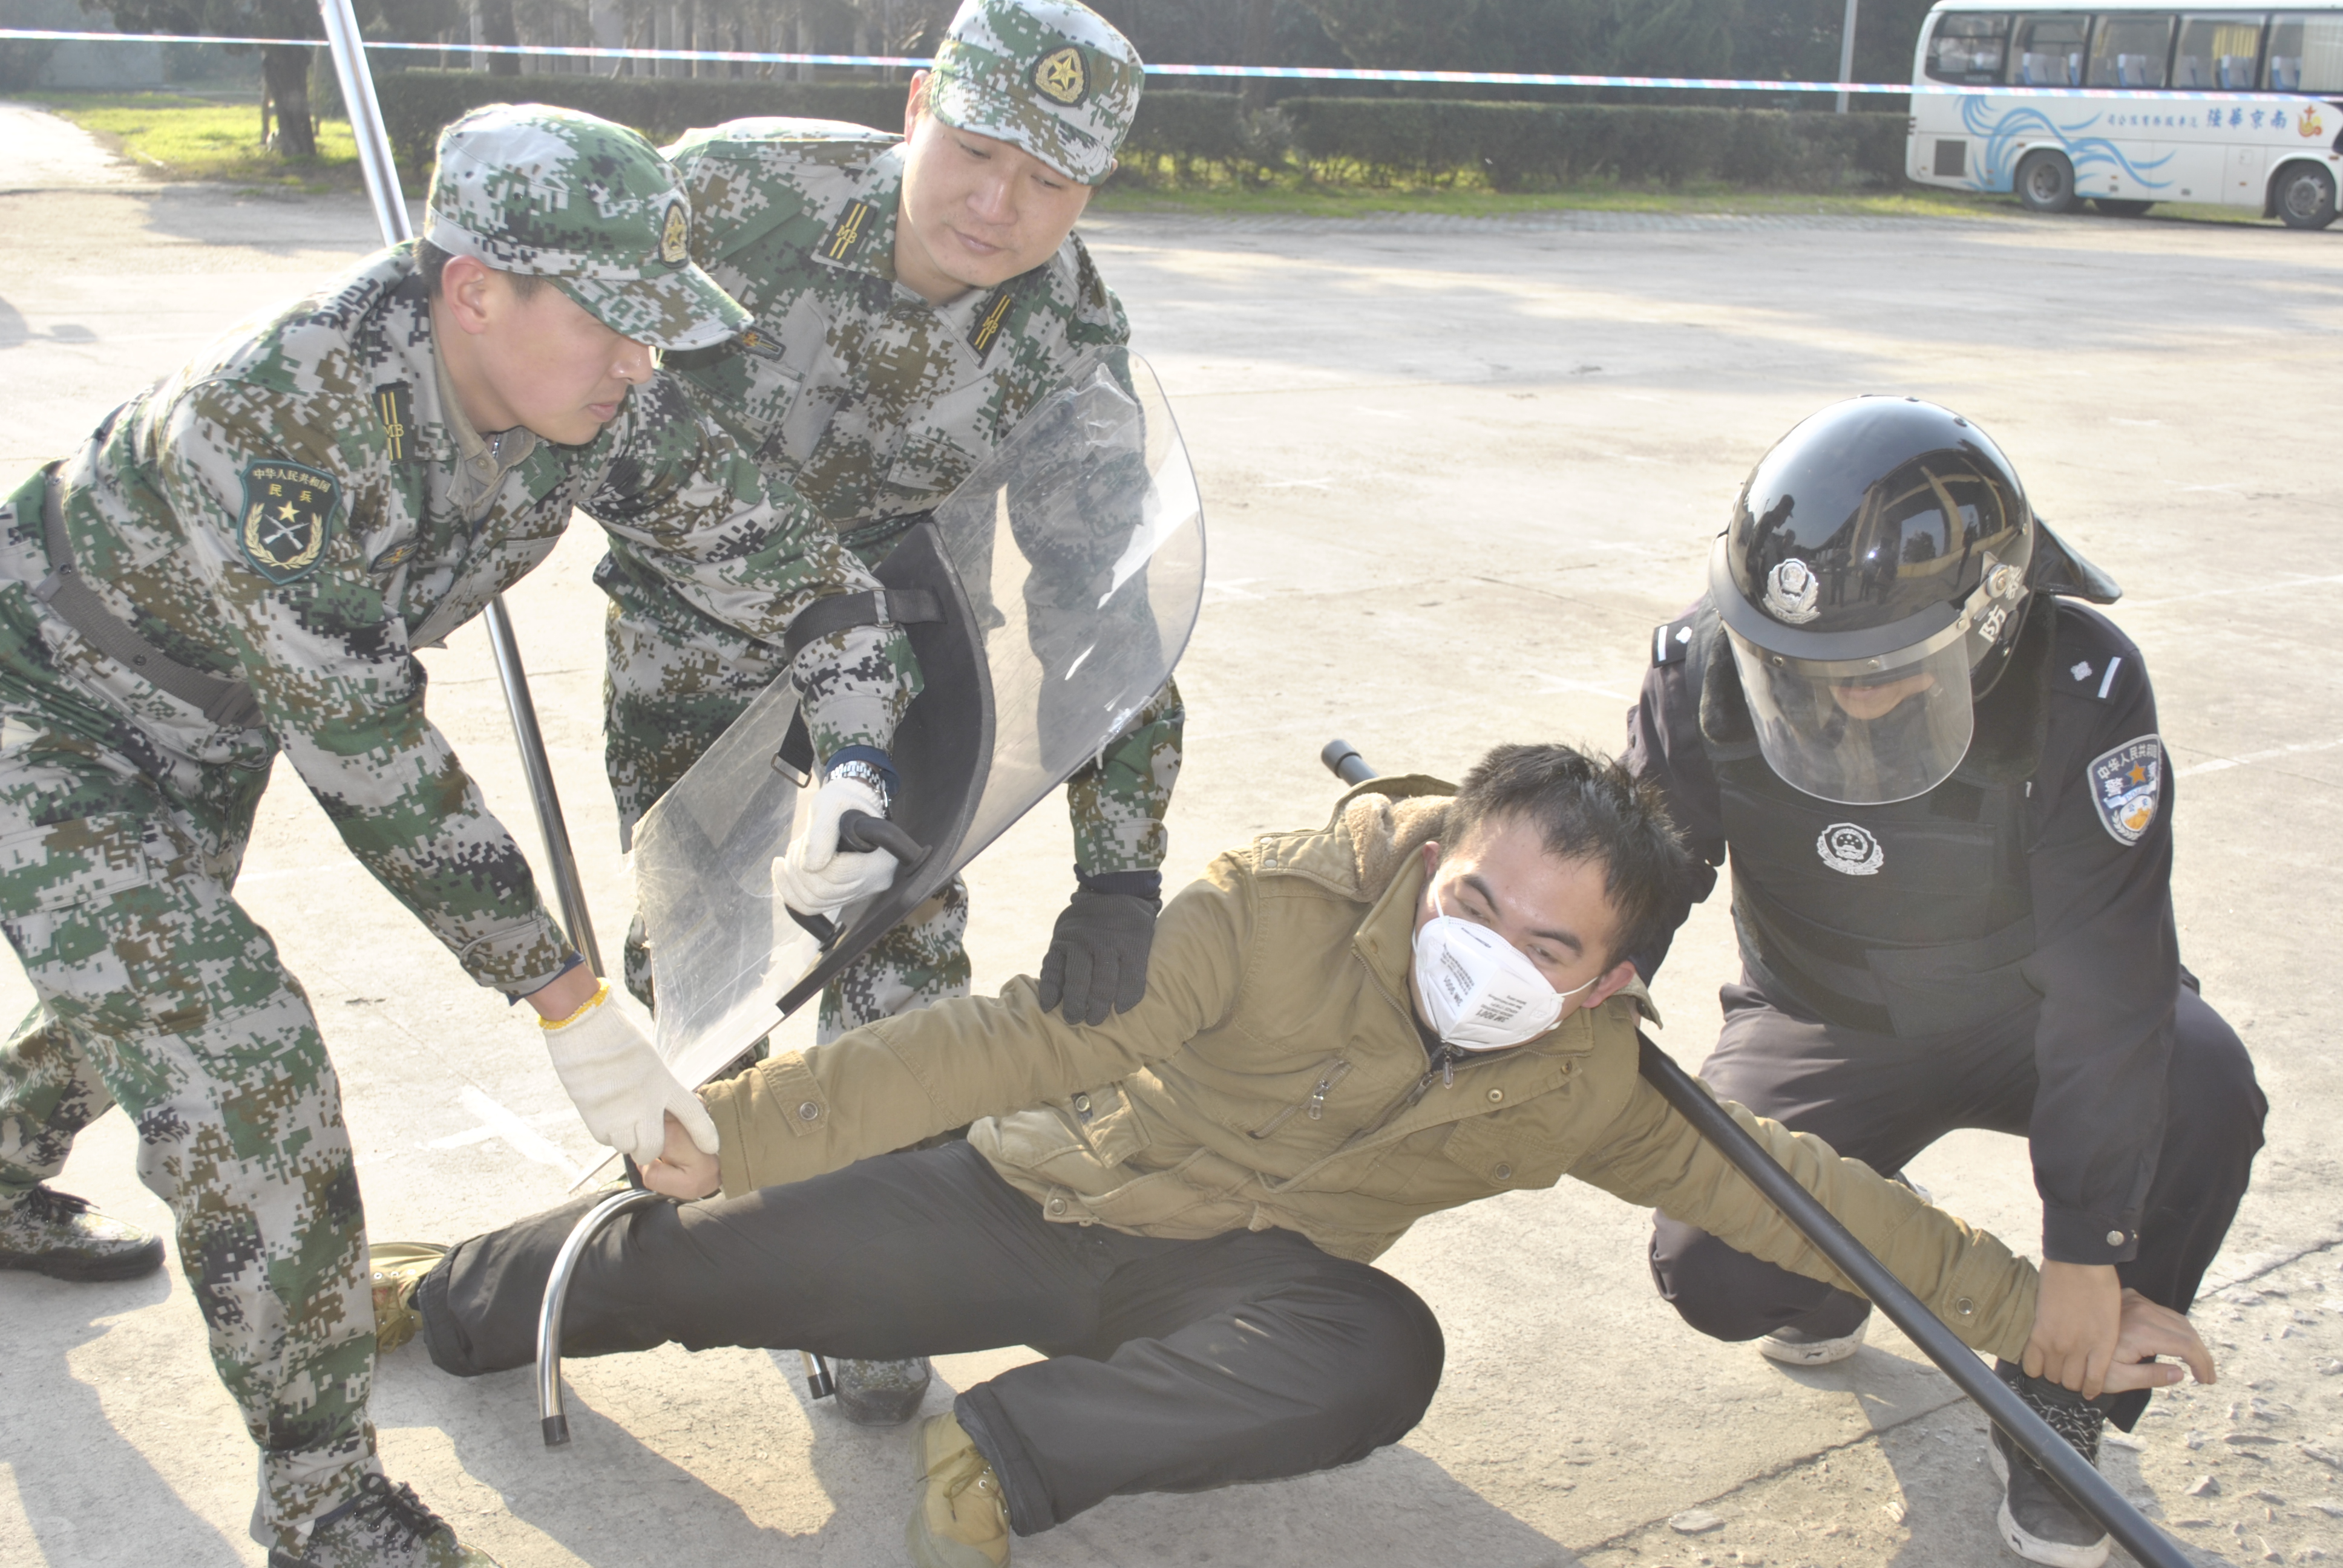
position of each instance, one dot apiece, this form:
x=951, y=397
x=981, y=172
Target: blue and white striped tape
x=1275, y=73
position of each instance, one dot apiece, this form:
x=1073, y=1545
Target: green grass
x=1313, y=200
x=177, y=135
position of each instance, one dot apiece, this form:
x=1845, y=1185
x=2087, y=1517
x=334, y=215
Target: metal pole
x=552, y=1421
x=1847, y=53
x=1805, y=1212
x=2075, y=1474
x=391, y=212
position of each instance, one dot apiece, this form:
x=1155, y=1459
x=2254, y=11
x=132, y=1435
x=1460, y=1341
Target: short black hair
x=1584, y=807
x=431, y=261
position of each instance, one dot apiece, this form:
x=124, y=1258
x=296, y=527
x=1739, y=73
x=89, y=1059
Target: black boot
x=2037, y=1520
x=60, y=1235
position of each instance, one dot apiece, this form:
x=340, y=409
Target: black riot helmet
x=1872, y=584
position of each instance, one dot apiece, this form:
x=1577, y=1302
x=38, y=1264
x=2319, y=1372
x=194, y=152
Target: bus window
x=1968, y=47
x=2217, y=53
x=2048, y=51
x=2306, y=54
x=2128, y=51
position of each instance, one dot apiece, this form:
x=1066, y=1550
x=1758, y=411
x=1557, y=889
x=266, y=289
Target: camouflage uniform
x=295, y=512
x=874, y=404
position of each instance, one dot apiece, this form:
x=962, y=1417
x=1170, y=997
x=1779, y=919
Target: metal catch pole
x=391, y=212
x=552, y=1420
x=2073, y=1473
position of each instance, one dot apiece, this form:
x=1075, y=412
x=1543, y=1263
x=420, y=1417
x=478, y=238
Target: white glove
x=815, y=877
x=622, y=1089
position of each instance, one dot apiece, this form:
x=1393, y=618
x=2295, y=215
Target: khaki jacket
x=1274, y=1076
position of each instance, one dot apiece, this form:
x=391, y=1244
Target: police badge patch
x=2126, y=786
x=1063, y=77
x=1848, y=847
x=288, y=515
x=1791, y=589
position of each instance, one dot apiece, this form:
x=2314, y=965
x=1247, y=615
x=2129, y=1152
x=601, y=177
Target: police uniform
x=240, y=562
x=1998, y=952
x=873, y=405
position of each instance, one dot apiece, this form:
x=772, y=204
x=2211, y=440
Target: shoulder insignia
x=392, y=558
x=1671, y=642
x=288, y=515
x=395, y=406
x=989, y=318
x=2127, y=785
x=850, y=234
x=2093, y=679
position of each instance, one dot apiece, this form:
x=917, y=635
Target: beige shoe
x=397, y=1268
x=960, y=1520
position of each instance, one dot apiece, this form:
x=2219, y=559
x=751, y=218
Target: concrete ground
x=1455, y=472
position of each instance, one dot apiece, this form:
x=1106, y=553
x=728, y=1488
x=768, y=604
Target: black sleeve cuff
x=870, y=754
x=2080, y=1236
x=1132, y=884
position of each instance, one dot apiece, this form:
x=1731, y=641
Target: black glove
x=1096, y=961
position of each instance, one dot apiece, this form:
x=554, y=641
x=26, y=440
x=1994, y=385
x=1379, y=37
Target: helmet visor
x=1885, y=733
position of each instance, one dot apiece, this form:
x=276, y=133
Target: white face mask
x=1480, y=992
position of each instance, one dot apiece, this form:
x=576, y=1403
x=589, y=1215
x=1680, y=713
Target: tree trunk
x=1257, y=40
x=286, y=73
x=496, y=28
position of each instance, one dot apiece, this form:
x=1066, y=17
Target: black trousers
x=1174, y=1366
x=1882, y=1101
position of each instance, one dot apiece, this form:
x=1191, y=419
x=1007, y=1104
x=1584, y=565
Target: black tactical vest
x=1908, y=920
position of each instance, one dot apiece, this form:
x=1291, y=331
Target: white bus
x=2272, y=138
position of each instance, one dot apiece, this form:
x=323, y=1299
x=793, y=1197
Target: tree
x=283, y=68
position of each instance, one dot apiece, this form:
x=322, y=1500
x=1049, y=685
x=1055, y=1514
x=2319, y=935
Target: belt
x=227, y=703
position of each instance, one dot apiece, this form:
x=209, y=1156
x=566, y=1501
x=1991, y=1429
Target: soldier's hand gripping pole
x=390, y=214
x=2080, y=1479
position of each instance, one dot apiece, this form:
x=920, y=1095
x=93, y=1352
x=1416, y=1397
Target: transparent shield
x=1078, y=557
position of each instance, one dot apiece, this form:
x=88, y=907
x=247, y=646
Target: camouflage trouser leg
x=153, y=981
x=921, y=960
x=49, y=1090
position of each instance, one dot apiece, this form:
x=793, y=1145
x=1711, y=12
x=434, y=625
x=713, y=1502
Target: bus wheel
x=2046, y=182
x=2115, y=208
x=2305, y=196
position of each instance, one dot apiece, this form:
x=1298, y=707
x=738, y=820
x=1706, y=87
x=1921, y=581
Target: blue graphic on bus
x=1996, y=169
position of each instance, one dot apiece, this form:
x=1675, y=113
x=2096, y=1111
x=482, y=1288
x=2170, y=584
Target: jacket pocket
x=1507, y=1151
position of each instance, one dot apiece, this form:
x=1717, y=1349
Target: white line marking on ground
x=520, y=1135
x=2218, y=763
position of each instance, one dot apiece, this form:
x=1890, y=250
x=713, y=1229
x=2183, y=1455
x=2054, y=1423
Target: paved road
x=1454, y=473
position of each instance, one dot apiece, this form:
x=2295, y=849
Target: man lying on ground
x=1425, y=1002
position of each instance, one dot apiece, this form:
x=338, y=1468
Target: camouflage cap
x=1051, y=76
x=587, y=205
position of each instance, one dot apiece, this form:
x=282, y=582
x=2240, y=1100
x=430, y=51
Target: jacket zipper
x=1315, y=1105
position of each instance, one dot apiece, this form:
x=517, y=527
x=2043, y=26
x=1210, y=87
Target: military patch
x=851, y=233
x=1063, y=77
x=1848, y=847
x=395, y=406
x=288, y=515
x=675, y=234
x=989, y=319
x=757, y=343
x=2126, y=786
x=392, y=558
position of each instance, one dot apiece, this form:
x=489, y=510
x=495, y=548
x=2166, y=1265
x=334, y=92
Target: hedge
x=1513, y=145
x=1520, y=146
x=416, y=103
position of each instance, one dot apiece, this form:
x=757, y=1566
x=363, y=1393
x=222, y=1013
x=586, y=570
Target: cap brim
x=680, y=308
x=960, y=104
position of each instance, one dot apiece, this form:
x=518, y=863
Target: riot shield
x=1069, y=569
